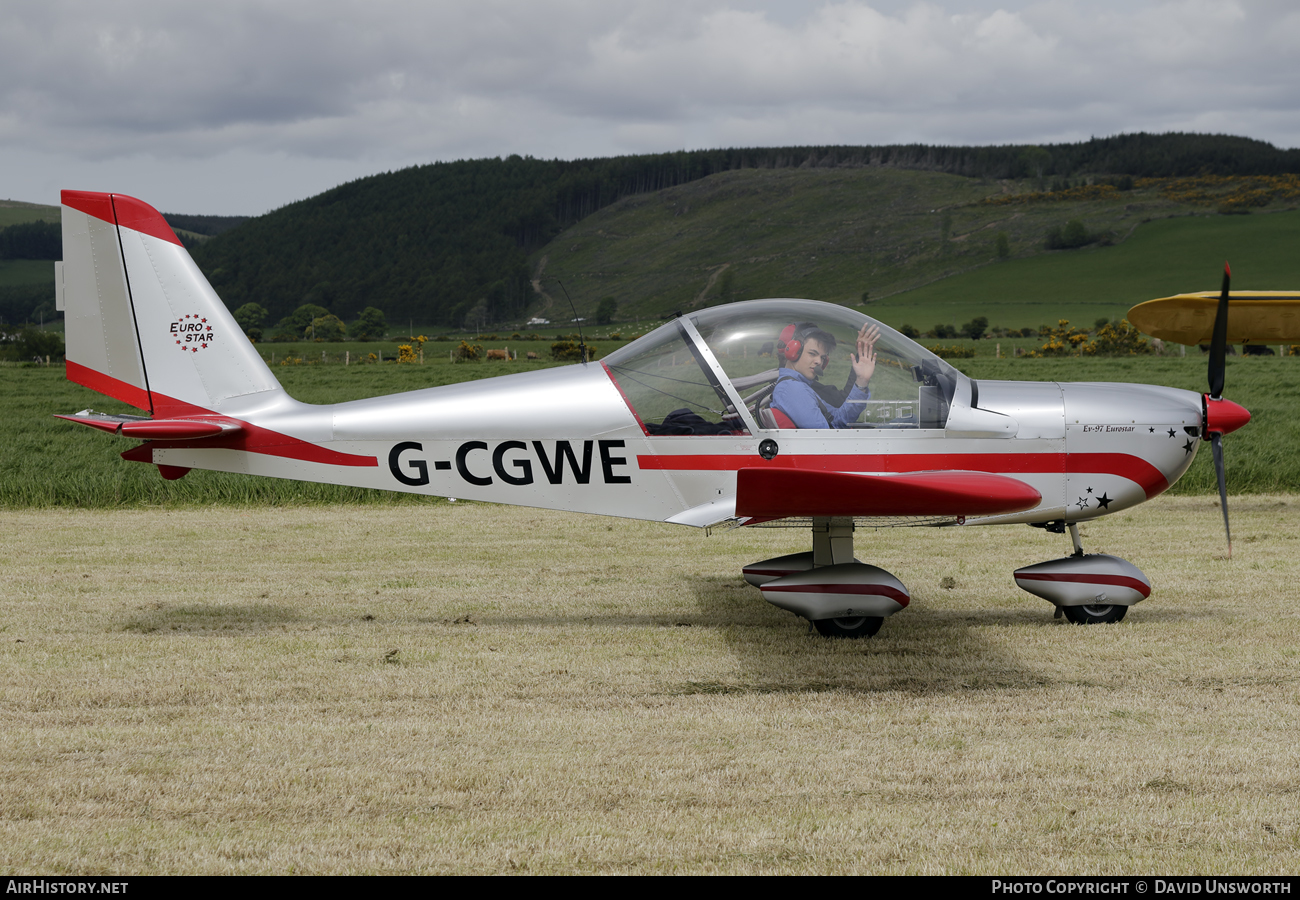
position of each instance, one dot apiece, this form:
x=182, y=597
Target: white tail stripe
x=99, y=323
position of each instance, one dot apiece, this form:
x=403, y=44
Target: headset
x=792, y=338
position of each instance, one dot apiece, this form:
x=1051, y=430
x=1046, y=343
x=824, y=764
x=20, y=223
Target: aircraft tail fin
x=142, y=323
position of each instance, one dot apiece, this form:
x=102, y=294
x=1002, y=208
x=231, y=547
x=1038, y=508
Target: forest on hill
x=432, y=243
x=438, y=242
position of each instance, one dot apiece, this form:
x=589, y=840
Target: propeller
x=1221, y=416
x=1219, y=339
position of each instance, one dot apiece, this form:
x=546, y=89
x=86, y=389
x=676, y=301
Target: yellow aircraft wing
x=1254, y=317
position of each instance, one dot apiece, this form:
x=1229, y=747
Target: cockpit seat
x=771, y=417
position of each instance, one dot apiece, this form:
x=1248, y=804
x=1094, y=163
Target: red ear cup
x=792, y=348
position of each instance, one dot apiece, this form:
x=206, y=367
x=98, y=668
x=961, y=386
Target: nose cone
x=1223, y=416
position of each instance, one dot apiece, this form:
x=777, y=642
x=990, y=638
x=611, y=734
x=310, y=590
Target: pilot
x=804, y=350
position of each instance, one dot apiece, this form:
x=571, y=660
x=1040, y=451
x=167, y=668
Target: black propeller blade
x=1219, y=340
x=1218, y=366
x=1216, y=446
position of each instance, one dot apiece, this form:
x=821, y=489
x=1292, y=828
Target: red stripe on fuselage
x=1117, y=580
x=878, y=590
x=251, y=438
x=1134, y=468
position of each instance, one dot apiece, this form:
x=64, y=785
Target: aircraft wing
x=1260, y=317
x=774, y=493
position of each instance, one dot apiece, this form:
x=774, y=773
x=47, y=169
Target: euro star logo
x=192, y=333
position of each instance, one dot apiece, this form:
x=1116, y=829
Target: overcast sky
x=240, y=107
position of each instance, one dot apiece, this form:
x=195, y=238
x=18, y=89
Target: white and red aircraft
x=678, y=426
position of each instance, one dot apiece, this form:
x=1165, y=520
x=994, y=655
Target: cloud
x=379, y=85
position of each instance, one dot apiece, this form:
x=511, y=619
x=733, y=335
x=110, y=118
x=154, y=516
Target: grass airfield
x=463, y=688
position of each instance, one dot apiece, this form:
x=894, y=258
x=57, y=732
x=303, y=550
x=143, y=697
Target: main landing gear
x=843, y=597
x=840, y=596
x=1088, y=589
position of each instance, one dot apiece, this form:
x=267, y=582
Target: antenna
x=581, y=341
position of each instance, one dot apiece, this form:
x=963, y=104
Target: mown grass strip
x=470, y=689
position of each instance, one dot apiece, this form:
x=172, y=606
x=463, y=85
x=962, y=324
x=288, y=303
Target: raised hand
x=864, y=360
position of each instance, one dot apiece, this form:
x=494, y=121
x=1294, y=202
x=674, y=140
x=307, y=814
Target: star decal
x=1103, y=502
x=1188, y=446
x=1153, y=429
x=1172, y=433
x=1089, y=490
x=1083, y=503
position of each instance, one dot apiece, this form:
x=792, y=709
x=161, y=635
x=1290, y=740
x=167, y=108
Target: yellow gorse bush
x=1111, y=340
x=1117, y=340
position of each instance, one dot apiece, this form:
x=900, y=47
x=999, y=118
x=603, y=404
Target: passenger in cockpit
x=804, y=351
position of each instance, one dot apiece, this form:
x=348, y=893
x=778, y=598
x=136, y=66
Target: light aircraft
x=678, y=426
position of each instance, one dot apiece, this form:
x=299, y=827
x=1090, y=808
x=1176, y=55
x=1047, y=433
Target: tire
x=850, y=626
x=1094, y=615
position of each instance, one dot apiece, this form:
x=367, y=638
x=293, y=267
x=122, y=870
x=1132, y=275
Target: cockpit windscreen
x=671, y=382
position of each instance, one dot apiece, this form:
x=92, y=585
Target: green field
x=920, y=244
x=832, y=234
x=335, y=352
x=1163, y=257
x=46, y=462
x=14, y=213
x=25, y=271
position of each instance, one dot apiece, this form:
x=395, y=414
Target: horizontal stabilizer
x=773, y=493
x=157, y=429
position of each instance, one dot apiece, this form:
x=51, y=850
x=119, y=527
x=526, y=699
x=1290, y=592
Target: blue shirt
x=794, y=396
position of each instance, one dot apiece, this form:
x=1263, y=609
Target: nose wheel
x=849, y=626
x=1088, y=589
x=1094, y=615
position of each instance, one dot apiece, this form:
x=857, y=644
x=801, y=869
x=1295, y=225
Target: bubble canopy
x=714, y=372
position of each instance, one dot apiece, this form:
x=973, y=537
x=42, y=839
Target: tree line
x=32, y=240
x=447, y=242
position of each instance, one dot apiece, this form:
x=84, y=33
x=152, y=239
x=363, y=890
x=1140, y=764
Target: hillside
x=907, y=239
x=447, y=243
x=15, y=212
x=1163, y=257
x=435, y=242
x=31, y=239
